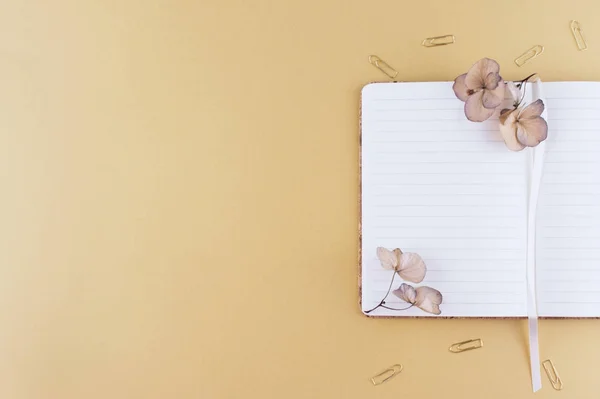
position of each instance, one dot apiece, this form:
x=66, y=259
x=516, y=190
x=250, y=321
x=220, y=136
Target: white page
x=448, y=189
x=568, y=223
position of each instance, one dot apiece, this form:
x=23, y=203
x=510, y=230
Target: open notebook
x=448, y=189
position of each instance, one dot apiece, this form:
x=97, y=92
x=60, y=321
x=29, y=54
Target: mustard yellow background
x=179, y=198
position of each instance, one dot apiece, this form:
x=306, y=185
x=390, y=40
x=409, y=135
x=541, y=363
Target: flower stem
x=386, y=295
x=528, y=77
x=522, y=83
x=387, y=307
x=390, y=287
x=381, y=304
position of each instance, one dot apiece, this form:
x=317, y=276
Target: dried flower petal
x=479, y=72
x=460, y=88
x=389, y=260
x=412, y=267
x=491, y=80
x=533, y=110
x=428, y=299
x=525, y=127
x=475, y=110
x=508, y=129
x=532, y=129
x=493, y=98
x=531, y=132
x=407, y=293
x=504, y=114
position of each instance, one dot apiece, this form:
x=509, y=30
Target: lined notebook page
x=568, y=223
x=448, y=189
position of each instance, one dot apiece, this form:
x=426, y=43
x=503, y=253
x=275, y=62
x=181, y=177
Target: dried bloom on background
x=481, y=88
x=523, y=127
x=409, y=266
x=425, y=298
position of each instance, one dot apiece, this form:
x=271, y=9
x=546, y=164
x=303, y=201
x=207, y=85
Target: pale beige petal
x=474, y=109
x=504, y=114
x=476, y=76
x=491, y=80
x=493, y=98
x=533, y=110
x=428, y=299
x=460, y=88
x=406, y=292
x=412, y=267
x=508, y=129
x=388, y=259
x=531, y=132
x=513, y=91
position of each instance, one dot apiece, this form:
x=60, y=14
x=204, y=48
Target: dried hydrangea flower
x=410, y=266
x=481, y=88
x=425, y=298
x=523, y=127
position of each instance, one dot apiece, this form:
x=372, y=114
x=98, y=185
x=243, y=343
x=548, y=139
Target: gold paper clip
x=578, y=35
x=383, y=66
x=438, y=41
x=466, y=345
x=530, y=54
x=552, y=374
x=387, y=374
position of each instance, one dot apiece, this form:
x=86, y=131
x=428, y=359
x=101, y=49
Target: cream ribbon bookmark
x=536, y=166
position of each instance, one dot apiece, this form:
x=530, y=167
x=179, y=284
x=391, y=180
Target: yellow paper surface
x=179, y=202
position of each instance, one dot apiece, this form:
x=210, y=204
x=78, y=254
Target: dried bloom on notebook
x=481, y=88
x=410, y=267
x=407, y=293
x=425, y=298
x=483, y=91
x=523, y=126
